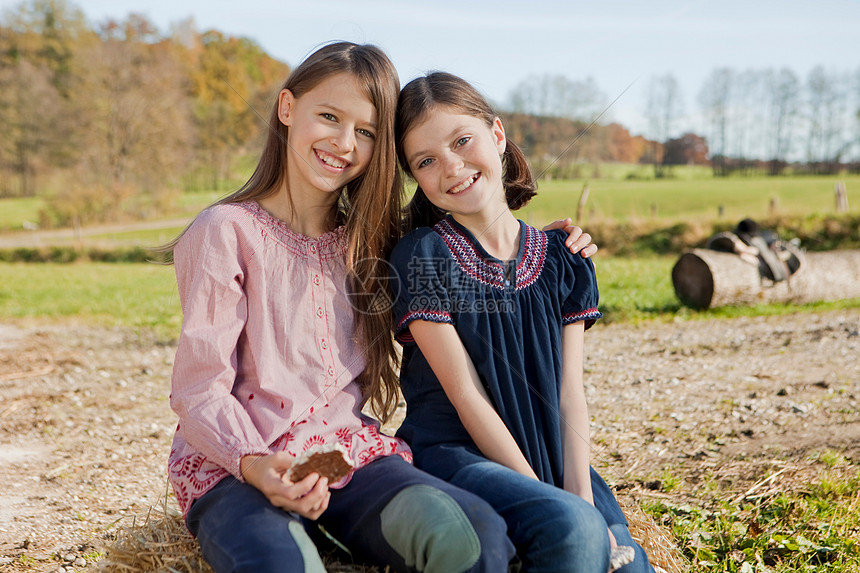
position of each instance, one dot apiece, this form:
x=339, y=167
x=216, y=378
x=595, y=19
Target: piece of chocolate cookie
x=328, y=461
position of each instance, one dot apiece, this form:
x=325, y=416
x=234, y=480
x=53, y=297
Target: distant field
x=690, y=199
x=141, y=237
x=13, y=212
x=692, y=194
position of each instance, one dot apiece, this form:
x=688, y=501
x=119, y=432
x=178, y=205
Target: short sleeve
x=580, y=277
x=420, y=274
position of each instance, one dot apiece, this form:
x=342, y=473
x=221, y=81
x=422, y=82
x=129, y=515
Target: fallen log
x=705, y=278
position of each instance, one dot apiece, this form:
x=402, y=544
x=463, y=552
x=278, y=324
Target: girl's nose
x=343, y=139
x=452, y=163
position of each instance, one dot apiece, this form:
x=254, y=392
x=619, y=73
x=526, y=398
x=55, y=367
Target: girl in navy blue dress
x=491, y=314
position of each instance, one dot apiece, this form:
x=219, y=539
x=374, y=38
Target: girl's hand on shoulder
x=578, y=241
x=268, y=473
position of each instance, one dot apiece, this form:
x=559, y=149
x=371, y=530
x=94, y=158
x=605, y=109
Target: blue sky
x=497, y=44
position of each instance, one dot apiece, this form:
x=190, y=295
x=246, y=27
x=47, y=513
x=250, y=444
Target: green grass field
x=14, y=211
x=143, y=238
x=685, y=199
x=141, y=295
x=132, y=295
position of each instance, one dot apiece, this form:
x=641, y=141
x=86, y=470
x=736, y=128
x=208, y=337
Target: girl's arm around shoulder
x=577, y=240
x=455, y=371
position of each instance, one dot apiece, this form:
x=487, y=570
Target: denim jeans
x=389, y=514
x=552, y=529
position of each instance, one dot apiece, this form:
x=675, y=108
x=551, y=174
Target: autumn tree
x=233, y=82
x=689, y=149
x=137, y=128
x=40, y=42
x=623, y=147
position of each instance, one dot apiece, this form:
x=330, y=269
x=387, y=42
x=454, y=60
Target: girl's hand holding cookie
x=308, y=497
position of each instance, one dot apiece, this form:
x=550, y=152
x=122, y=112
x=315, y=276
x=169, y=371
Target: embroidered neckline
x=330, y=244
x=478, y=264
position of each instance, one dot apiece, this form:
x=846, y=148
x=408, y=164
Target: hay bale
x=162, y=544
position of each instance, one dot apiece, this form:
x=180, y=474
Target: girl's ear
x=286, y=107
x=498, y=131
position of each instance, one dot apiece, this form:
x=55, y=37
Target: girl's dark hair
x=440, y=89
x=369, y=205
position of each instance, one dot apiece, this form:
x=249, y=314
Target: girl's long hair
x=369, y=206
x=441, y=89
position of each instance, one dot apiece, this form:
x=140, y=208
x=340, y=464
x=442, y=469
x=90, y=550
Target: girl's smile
x=332, y=162
x=464, y=185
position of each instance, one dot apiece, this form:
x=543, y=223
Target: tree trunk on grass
x=705, y=278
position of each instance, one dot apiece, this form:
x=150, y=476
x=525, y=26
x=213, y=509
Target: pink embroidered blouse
x=267, y=358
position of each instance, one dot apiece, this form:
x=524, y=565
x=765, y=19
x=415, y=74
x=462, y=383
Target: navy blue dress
x=509, y=316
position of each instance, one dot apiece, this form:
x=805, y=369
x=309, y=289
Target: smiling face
x=332, y=131
x=456, y=160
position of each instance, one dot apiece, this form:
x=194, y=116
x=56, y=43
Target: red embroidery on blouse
x=492, y=273
x=316, y=440
x=587, y=314
x=344, y=436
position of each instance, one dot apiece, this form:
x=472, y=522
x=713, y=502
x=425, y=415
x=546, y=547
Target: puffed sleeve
x=580, y=278
x=210, y=273
x=420, y=274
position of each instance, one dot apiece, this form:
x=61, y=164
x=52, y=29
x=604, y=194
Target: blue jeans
x=389, y=514
x=552, y=529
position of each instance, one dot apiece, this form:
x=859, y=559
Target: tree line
x=116, y=119
x=769, y=119
x=748, y=121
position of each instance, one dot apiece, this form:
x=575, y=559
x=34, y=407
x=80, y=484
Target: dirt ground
x=85, y=425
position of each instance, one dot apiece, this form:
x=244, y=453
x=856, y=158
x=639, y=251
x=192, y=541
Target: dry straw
x=162, y=544
x=654, y=539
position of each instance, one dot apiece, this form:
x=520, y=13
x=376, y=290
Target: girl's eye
x=366, y=133
x=328, y=116
x=463, y=140
x=423, y=163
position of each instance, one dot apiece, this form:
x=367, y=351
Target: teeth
x=333, y=161
x=463, y=185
